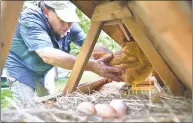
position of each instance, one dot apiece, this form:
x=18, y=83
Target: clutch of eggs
x=116, y=108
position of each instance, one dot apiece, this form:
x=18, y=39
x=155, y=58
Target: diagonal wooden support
x=124, y=31
x=10, y=11
x=113, y=22
x=152, y=54
x=83, y=57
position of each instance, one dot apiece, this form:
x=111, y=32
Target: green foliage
x=74, y=49
x=108, y=42
x=84, y=21
x=5, y=93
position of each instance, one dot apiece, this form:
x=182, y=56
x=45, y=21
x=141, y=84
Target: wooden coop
x=157, y=26
x=162, y=29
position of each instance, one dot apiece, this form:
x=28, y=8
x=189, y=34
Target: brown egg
x=119, y=106
x=105, y=111
x=86, y=108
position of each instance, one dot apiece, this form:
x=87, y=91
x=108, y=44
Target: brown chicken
x=131, y=59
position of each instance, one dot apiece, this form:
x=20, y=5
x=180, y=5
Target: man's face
x=59, y=26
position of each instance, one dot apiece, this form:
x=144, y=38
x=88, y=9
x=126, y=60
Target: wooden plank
x=142, y=88
x=158, y=87
x=159, y=80
x=145, y=83
x=156, y=60
x=116, y=34
x=83, y=56
x=168, y=24
x=88, y=87
x=10, y=11
x=111, y=11
x=112, y=22
x=124, y=32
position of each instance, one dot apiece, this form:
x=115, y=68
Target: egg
x=86, y=108
x=119, y=106
x=105, y=111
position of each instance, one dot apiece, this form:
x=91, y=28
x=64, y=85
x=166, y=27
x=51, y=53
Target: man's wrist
x=90, y=65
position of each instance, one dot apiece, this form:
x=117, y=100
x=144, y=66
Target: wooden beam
x=168, y=24
x=10, y=11
x=83, y=56
x=112, y=22
x=124, y=32
x=116, y=34
x=89, y=87
x=156, y=60
x=111, y=11
x=158, y=87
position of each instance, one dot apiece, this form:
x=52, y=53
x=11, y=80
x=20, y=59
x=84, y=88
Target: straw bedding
x=146, y=107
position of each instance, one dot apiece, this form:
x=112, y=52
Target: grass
x=86, y=77
x=5, y=93
x=60, y=84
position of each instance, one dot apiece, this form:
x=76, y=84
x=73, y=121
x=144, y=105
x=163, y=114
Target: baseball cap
x=65, y=10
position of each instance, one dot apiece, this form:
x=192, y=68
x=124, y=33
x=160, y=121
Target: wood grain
x=168, y=24
x=110, y=11
x=10, y=11
x=83, y=57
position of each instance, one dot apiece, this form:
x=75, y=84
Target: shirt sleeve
x=35, y=37
x=77, y=35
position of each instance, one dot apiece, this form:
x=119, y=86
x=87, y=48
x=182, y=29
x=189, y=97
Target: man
x=39, y=35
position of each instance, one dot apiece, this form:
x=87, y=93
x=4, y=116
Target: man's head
x=60, y=15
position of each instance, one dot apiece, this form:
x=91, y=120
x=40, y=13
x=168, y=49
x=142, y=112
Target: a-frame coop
x=157, y=27
x=162, y=29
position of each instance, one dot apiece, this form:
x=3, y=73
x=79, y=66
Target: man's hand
x=102, y=68
x=99, y=51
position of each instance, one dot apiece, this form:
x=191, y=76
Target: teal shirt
x=34, y=32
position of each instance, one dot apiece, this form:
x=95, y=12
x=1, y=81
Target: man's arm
x=61, y=59
x=58, y=58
